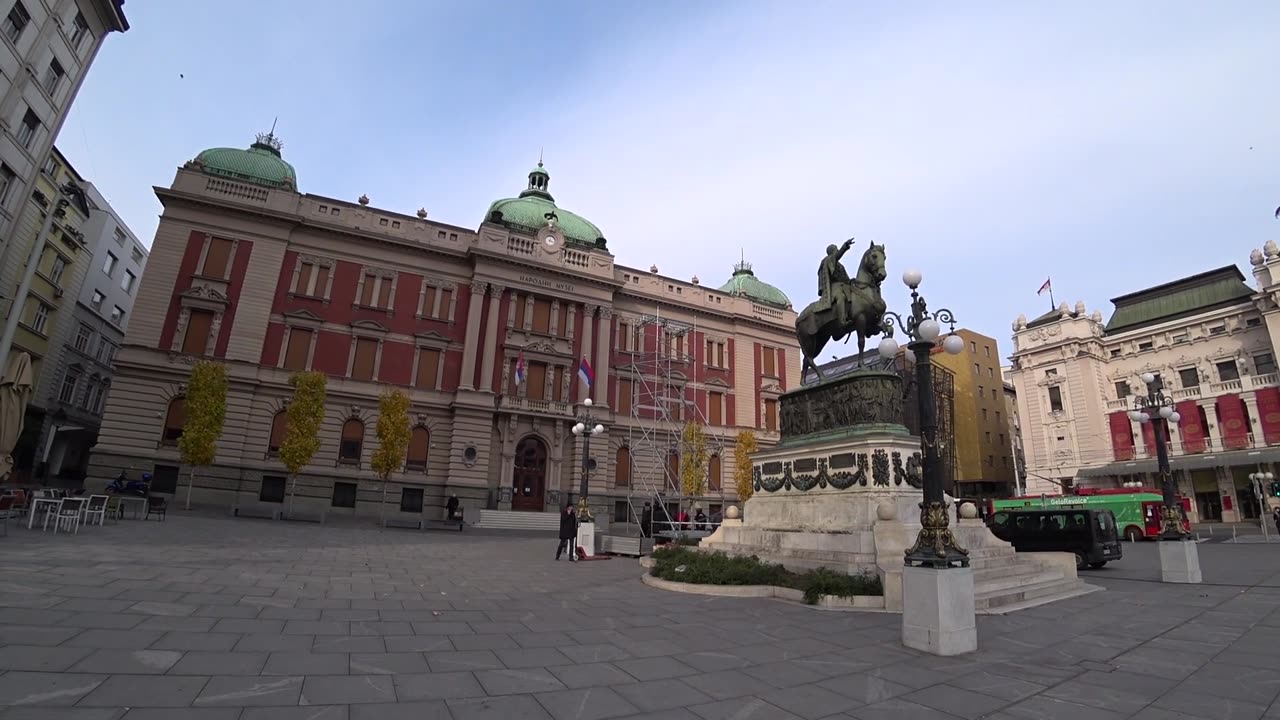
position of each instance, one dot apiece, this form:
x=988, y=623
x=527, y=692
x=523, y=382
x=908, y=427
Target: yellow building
x=984, y=465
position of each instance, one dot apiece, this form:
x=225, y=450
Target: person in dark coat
x=568, y=533
x=452, y=507
x=646, y=521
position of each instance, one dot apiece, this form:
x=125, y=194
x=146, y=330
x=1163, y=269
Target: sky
x=991, y=145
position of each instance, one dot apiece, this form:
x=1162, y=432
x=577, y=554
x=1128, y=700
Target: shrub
x=683, y=564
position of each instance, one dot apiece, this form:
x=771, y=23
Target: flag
x=585, y=373
x=1045, y=286
x=521, y=369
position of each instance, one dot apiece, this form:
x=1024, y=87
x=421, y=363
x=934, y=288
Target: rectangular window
x=1122, y=389
x=709, y=352
x=624, y=396
x=1189, y=377
x=313, y=280
x=1158, y=382
x=298, y=349
x=1228, y=370
x=366, y=290
x=1264, y=363
x=196, y=341
x=216, y=258
x=365, y=359
x=714, y=404
x=411, y=500
x=1115, y=352
x=428, y=369
x=80, y=31
x=55, y=271
x=272, y=489
x=973, y=347
x=136, y=254
x=557, y=383
x=109, y=265
x=987, y=350
x=84, y=336
x=344, y=495
x=117, y=315
x=106, y=352
x=16, y=21
x=53, y=76
x=384, y=292
x=70, y=383
x=720, y=361
x=624, y=336
x=1145, y=345
x=1055, y=399
x=120, y=237
x=50, y=167
x=542, y=316
x=40, y=317
x=127, y=281
x=991, y=372
x=977, y=370
x=769, y=364
x=771, y=415
x=27, y=131
x=537, y=381
x=1217, y=329
x=7, y=179
x=984, y=413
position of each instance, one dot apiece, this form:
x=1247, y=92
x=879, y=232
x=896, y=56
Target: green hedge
x=683, y=564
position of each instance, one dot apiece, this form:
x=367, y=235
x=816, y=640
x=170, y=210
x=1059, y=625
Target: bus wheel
x=1132, y=534
x=1080, y=562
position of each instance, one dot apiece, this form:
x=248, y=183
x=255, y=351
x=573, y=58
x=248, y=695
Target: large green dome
x=260, y=164
x=744, y=282
x=531, y=209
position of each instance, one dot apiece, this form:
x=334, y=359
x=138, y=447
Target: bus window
x=1000, y=520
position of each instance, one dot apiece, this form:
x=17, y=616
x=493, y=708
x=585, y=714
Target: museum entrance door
x=529, y=482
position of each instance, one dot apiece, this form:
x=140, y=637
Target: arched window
x=352, y=443
x=419, y=444
x=713, y=473
x=174, y=419
x=279, y=426
x=622, y=467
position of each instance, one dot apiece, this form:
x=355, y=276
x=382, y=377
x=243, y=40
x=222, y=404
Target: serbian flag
x=522, y=370
x=1045, y=286
x=585, y=373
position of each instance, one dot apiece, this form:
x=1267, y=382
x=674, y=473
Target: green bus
x=1137, y=513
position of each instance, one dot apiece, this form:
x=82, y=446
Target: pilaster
x=491, y=338
x=471, y=347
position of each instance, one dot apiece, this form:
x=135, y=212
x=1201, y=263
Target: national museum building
x=247, y=270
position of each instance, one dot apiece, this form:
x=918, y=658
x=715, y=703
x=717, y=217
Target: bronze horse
x=818, y=324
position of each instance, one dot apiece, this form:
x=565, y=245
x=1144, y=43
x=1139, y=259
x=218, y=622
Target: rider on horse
x=833, y=281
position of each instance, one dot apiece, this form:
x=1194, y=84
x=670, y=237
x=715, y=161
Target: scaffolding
x=666, y=386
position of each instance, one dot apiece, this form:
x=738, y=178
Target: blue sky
x=1112, y=146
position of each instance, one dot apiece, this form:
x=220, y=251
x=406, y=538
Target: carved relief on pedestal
x=506, y=376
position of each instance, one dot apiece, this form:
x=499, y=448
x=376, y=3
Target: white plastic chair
x=67, y=516
x=95, y=510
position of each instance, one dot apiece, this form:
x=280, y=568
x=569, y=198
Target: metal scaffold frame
x=666, y=384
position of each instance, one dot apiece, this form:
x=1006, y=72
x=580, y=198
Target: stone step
x=1018, y=582
x=515, y=520
x=1004, y=570
x=1068, y=592
x=986, y=600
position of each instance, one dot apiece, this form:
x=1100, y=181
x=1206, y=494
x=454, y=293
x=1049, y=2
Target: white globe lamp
x=587, y=402
x=912, y=278
x=929, y=330
x=888, y=348
x=577, y=429
x=597, y=429
x=953, y=345
x=1148, y=378
x=1175, y=417
x=1166, y=412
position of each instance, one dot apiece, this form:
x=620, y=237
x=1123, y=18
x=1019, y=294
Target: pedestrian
x=568, y=533
x=452, y=507
x=1275, y=515
x=646, y=521
x=700, y=518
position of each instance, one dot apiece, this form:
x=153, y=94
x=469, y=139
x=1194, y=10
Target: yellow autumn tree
x=303, y=419
x=742, y=449
x=393, y=439
x=206, y=408
x=693, y=462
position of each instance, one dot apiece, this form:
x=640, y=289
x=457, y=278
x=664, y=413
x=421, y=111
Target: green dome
x=261, y=164
x=529, y=212
x=744, y=282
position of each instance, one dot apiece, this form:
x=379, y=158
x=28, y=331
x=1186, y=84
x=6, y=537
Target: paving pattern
x=208, y=618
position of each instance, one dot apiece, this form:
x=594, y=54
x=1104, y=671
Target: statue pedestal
x=938, y=610
x=587, y=538
x=1180, y=561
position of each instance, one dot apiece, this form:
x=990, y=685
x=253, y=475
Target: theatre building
x=248, y=271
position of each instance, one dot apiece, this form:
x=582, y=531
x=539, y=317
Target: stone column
x=1255, y=421
x=602, y=356
x=472, y=345
x=1214, y=432
x=491, y=338
x=588, y=313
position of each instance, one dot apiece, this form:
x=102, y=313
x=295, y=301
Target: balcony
x=1265, y=380
x=535, y=407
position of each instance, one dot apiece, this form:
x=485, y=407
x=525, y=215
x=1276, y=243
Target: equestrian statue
x=844, y=307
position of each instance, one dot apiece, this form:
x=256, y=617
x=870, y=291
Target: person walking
x=568, y=533
x=1275, y=516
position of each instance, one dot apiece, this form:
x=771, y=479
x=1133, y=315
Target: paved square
x=209, y=618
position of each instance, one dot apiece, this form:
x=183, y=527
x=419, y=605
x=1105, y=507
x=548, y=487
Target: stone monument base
x=938, y=610
x=587, y=538
x=1180, y=561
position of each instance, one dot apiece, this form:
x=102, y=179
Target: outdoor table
x=35, y=507
x=142, y=502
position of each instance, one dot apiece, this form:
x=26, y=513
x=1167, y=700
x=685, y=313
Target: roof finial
x=539, y=155
x=274, y=120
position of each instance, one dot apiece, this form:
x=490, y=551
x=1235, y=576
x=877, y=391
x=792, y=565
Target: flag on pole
x=522, y=370
x=1045, y=286
x=585, y=373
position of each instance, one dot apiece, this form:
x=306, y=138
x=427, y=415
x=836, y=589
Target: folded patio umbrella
x=15, y=391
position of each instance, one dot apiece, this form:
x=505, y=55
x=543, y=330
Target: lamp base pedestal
x=938, y=610
x=1180, y=561
x=587, y=538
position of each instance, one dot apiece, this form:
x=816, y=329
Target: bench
x=402, y=522
x=304, y=516
x=428, y=524
x=260, y=511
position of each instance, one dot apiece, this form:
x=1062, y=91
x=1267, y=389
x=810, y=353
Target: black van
x=1090, y=534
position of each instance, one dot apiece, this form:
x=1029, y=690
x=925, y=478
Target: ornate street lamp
x=1261, y=483
x=1158, y=409
x=935, y=546
x=586, y=426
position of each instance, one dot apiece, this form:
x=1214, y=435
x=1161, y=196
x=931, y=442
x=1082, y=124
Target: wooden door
x=529, y=481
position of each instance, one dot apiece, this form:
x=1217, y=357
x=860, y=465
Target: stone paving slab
x=243, y=620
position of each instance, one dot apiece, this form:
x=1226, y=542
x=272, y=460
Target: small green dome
x=532, y=210
x=745, y=283
x=260, y=164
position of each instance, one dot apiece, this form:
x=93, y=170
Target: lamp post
x=586, y=427
x=1258, y=478
x=1179, y=557
x=935, y=546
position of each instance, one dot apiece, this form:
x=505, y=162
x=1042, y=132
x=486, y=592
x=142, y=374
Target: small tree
x=303, y=418
x=206, y=408
x=742, y=449
x=693, y=465
x=393, y=439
